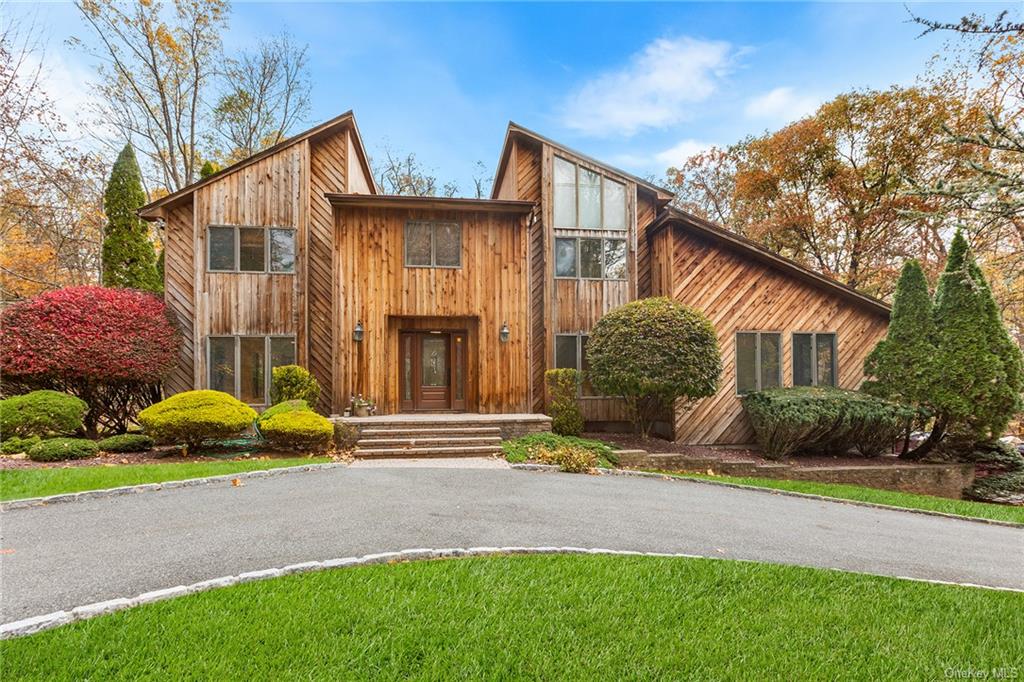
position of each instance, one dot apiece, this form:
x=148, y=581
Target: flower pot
x=362, y=411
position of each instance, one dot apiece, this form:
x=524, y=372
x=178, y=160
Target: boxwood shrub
x=564, y=406
x=126, y=442
x=291, y=382
x=59, y=449
x=298, y=429
x=282, y=408
x=41, y=413
x=194, y=416
x=810, y=420
x=16, y=444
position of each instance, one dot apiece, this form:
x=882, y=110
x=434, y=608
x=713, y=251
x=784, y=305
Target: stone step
x=429, y=431
x=462, y=451
x=433, y=442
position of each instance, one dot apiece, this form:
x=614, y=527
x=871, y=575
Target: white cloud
x=679, y=153
x=68, y=85
x=783, y=105
x=656, y=89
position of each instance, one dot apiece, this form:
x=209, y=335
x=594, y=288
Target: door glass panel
x=250, y=249
x=803, y=374
x=222, y=248
x=282, y=250
x=771, y=359
x=826, y=352
x=614, y=205
x=565, y=352
x=746, y=363
x=447, y=245
x=590, y=258
x=222, y=364
x=435, y=361
x=407, y=368
x=417, y=243
x=615, y=258
x=460, y=363
x=565, y=258
x=590, y=199
x=565, y=194
x=282, y=351
x=251, y=369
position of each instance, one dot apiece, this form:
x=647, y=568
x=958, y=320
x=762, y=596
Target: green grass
x=19, y=483
x=543, y=617
x=981, y=510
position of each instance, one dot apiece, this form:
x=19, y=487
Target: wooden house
x=427, y=304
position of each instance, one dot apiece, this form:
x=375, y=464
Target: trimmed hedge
x=345, y=436
x=283, y=408
x=41, y=413
x=301, y=430
x=291, y=382
x=59, y=449
x=15, y=444
x=194, y=416
x=126, y=442
x=564, y=407
x=806, y=419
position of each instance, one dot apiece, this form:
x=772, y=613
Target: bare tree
x=482, y=180
x=403, y=174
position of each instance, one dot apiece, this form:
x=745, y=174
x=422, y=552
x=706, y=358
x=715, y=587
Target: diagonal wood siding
x=179, y=291
x=527, y=165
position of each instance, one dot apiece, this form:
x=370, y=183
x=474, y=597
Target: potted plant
x=362, y=407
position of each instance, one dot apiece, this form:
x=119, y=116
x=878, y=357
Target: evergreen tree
x=899, y=368
x=129, y=260
x=208, y=169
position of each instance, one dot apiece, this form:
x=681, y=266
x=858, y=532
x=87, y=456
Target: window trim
x=602, y=177
x=267, y=369
x=238, y=249
x=433, y=244
x=757, y=358
x=579, y=269
x=814, y=355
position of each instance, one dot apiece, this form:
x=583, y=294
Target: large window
x=571, y=353
x=242, y=365
x=433, y=244
x=236, y=248
x=814, y=359
x=758, y=361
x=590, y=258
x=587, y=200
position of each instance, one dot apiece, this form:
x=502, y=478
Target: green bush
x=126, y=442
x=291, y=382
x=41, y=413
x=301, y=430
x=59, y=449
x=345, y=436
x=194, y=416
x=15, y=444
x=282, y=408
x=564, y=406
x=806, y=419
x=539, y=447
x=574, y=459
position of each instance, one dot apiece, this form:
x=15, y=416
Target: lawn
x=982, y=510
x=19, y=483
x=544, y=617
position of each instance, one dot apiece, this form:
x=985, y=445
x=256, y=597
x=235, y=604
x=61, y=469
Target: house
x=428, y=304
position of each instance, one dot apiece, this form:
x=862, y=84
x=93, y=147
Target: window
x=586, y=200
x=590, y=258
x=242, y=365
x=250, y=249
x=758, y=361
x=814, y=359
x=571, y=353
x=433, y=244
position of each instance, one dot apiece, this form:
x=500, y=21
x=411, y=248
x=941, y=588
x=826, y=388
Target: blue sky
x=637, y=85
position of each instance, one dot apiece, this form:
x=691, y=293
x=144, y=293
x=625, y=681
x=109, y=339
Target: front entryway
x=432, y=370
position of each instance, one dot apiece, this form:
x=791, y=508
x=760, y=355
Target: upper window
x=814, y=359
x=234, y=248
x=590, y=258
x=571, y=353
x=758, y=361
x=433, y=244
x=587, y=200
x=242, y=365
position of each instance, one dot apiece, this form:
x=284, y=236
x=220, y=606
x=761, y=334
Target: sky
x=639, y=86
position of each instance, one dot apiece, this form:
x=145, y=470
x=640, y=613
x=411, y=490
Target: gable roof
x=148, y=211
x=515, y=129
x=706, y=228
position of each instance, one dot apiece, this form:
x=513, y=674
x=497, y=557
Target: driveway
x=66, y=555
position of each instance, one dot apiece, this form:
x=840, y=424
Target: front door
x=432, y=370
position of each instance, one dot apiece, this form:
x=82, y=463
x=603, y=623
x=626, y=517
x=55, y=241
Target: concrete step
x=429, y=431
x=461, y=451
x=432, y=441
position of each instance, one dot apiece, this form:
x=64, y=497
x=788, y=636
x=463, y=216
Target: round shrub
x=126, y=442
x=109, y=347
x=653, y=352
x=301, y=430
x=60, y=449
x=282, y=408
x=564, y=406
x=194, y=416
x=291, y=382
x=41, y=413
x=14, y=444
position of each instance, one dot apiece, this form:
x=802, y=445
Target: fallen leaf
x=236, y=482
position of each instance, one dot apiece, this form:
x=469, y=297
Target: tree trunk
x=933, y=439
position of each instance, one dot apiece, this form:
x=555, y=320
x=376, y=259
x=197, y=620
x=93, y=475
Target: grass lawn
x=983, y=510
x=544, y=617
x=19, y=483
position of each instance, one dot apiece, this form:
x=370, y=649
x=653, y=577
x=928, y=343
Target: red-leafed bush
x=109, y=347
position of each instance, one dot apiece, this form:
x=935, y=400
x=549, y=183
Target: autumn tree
x=129, y=260
x=403, y=174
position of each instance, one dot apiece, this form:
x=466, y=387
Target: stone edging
x=28, y=626
x=147, y=487
x=775, y=491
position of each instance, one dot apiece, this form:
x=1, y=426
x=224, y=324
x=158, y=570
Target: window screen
x=565, y=193
x=565, y=257
x=614, y=205
x=758, y=361
x=615, y=258
x=222, y=363
x=590, y=199
x=282, y=250
x=565, y=351
x=222, y=248
x=590, y=258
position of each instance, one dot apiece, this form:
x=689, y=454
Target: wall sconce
x=504, y=333
x=357, y=333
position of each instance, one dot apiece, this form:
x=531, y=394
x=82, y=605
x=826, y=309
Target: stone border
x=775, y=491
x=147, y=487
x=28, y=626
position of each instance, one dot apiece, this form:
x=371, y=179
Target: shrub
x=59, y=449
x=1000, y=473
x=41, y=413
x=14, y=444
x=564, y=407
x=654, y=352
x=540, y=447
x=574, y=459
x=109, y=347
x=126, y=442
x=301, y=430
x=345, y=436
x=819, y=419
x=282, y=408
x=291, y=382
x=194, y=416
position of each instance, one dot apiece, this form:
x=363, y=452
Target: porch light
x=357, y=333
x=504, y=333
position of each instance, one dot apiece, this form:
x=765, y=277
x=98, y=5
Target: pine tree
x=899, y=368
x=129, y=260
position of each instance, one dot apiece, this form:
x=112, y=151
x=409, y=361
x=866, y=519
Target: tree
x=209, y=168
x=405, y=175
x=656, y=354
x=129, y=260
x=482, y=180
x=900, y=367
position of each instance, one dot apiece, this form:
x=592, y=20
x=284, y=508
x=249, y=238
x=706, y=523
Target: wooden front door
x=432, y=371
